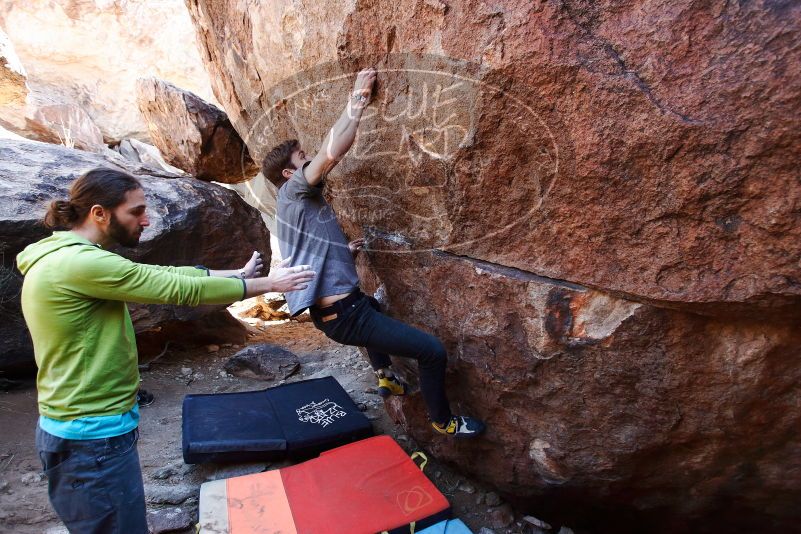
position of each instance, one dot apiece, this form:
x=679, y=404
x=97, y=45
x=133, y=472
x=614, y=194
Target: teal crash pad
x=452, y=526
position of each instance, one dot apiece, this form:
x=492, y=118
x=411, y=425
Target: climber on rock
x=73, y=300
x=308, y=232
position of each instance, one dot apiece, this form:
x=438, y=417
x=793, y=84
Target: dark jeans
x=95, y=485
x=360, y=323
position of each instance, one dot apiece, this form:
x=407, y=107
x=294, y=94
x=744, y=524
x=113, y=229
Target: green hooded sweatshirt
x=73, y=300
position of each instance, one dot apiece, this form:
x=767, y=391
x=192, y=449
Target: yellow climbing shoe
x=390, y=385
x=460, y=426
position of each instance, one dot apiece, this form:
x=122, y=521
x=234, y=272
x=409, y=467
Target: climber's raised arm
x=340, y=138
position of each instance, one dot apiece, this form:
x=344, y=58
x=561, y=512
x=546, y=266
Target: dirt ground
x=171, y=484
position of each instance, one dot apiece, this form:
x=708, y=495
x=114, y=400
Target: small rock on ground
x=501, y=516
x=531, y=520
x=168, y=520
x=466, y=487
x=493, y=499
x=264, y=361
x=176, y=494
x=164, y=473
x=30, y=479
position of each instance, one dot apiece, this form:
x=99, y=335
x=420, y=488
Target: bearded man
x=73, y=300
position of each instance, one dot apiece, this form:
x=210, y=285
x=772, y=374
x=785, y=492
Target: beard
x=122, y=236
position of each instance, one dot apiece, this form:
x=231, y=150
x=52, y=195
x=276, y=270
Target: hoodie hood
x=36, y=251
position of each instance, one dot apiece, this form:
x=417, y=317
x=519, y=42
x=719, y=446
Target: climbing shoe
x=460, y=426
x=390, y=385
x=144, y=398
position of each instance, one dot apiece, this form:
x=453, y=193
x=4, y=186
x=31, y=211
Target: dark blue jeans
x=95, y=485
x=360, y=323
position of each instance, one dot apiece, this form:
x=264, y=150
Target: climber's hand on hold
x=356, y=245
x=363, y=88
x=343, y=133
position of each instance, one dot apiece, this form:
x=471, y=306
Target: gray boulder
x=192, y=223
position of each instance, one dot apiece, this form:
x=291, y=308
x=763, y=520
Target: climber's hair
x=102, y=186
x=279, y=158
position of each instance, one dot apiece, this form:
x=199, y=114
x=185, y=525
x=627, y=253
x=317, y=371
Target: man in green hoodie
x=73, y=300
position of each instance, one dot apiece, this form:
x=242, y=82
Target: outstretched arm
x=252, y=269
x=105, y=275
x=341, y=136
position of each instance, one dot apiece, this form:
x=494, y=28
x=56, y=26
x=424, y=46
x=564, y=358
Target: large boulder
x=578, y=148
x=192, y=223
x=192, y=134
x=595, y=205
x=607, y=411
x=90, y=54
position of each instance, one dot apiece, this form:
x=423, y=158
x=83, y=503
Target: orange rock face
x=595, y=205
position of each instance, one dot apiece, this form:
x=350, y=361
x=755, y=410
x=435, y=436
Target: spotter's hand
x=253, y=267
x=285, y=278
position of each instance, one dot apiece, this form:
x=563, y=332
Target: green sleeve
x=101, y=274
x=186, y=271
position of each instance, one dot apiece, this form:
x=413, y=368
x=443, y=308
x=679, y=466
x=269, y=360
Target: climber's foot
x=460, y=426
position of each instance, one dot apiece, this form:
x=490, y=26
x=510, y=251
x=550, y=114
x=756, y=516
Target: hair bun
x=61, y=214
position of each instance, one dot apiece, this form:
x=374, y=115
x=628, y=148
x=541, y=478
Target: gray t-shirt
x=308, y=232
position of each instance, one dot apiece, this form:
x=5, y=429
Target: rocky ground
x=170, y=485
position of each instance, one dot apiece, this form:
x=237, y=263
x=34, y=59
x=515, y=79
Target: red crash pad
x=364, y=487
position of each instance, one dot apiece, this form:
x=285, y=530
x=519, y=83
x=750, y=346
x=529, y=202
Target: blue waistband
x=97, y=427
